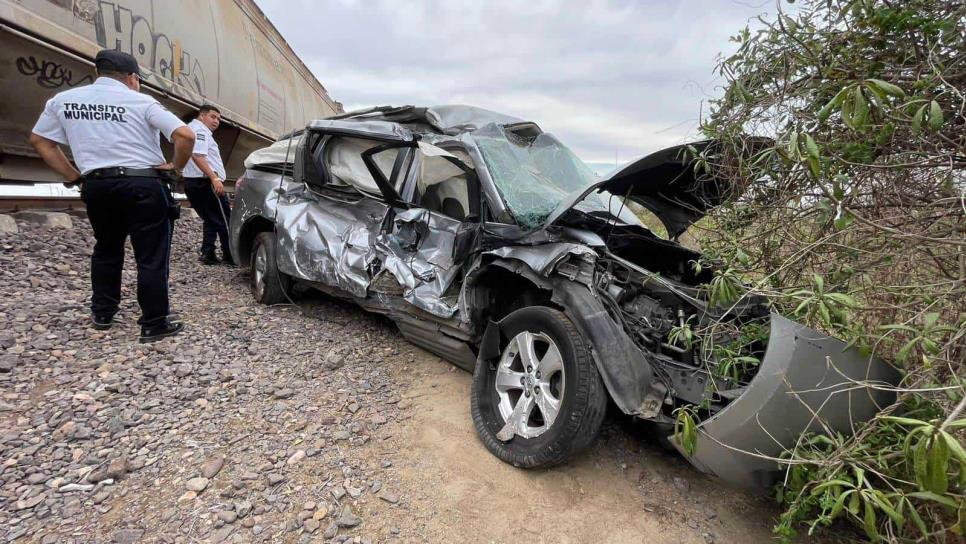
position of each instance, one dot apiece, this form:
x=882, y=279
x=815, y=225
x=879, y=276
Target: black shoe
x=226, y=258
x=209, y=258
x=157, y=332
x=102, y=323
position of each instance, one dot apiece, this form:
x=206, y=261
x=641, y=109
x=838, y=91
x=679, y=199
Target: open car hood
x=665, y=183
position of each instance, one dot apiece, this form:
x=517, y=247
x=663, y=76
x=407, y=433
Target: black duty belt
x=125, y=172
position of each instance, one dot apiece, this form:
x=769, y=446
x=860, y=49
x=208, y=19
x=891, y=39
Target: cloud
x=607, y=77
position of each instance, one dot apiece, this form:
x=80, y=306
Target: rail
x=15, y=203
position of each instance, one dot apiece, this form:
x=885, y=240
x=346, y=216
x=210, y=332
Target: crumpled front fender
x=806, y=383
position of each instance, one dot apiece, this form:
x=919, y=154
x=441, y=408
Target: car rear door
x=346, y=173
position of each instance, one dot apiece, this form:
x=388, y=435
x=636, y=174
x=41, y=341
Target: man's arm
x=216, y=182
x=183, y=139
x=175, y=131
x=53, y=155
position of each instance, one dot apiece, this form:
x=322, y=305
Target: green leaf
x=793, y=151
x=920, y=461
x=916, y=518
x=935, y=115
x=868, y=521
x=823, y=311
x=840, y=503
x=937, y=466
x=811, y=147
x=906, y=328
x=843, y=221
x=847, y=110
x=955, y=447
x=824, y=485
x=885, y=133
x=835, y=102
x=814, y=167
x=843, y=299
x=886, y=87
x=854, y=504
x=930, y=496
x=904, y=351
x=860, y=108
x=819, y=282
x=917, y=119
x=904, y=420
x=883, y=503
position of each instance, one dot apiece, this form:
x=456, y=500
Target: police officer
x=112, y=130
x=204, y=184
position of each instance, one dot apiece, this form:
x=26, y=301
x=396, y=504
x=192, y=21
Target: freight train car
x=191, y=52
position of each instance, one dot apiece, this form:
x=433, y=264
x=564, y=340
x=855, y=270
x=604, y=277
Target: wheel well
x=246, y=239
x=496, y=291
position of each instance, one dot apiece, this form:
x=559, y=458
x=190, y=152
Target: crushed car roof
x=447, y=119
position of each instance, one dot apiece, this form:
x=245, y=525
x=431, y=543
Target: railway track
x=52, y=204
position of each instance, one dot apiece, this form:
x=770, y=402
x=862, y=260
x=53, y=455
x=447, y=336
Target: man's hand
x=53, y=155
x=169, y=171
x=218, y=185
x=75, y=183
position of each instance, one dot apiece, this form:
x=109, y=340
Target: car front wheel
x=269, y=286
x=541, y=401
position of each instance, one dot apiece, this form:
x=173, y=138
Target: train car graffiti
x=49, y=74
x=120, y=28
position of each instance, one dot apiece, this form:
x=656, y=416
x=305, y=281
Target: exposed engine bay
x=654, y=289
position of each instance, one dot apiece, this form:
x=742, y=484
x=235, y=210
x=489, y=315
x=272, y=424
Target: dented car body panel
x=448, y=219
x=807, y=383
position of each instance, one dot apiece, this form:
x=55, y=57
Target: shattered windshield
x=533, y=173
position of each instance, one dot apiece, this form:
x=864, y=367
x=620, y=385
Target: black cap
x=117, y=61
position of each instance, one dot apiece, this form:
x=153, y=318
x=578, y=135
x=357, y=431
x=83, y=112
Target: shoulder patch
x=200, y=136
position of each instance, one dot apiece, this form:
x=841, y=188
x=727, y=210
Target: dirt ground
x=623, y=490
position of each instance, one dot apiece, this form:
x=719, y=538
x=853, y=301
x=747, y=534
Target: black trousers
x=214, y=211
x=135, y=206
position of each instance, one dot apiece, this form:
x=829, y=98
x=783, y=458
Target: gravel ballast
x=222, y=433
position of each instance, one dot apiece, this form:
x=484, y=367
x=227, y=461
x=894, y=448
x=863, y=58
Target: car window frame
x=320, y=136
x=474, y=190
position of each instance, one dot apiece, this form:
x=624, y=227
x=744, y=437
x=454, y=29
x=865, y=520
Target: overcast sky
x=625, y=77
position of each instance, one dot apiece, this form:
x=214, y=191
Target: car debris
x=489, y=243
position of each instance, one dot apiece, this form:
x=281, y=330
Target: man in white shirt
x=204, y=178
x=113, y=131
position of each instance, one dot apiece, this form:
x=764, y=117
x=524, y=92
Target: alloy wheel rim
x=261, y=266
x=529, y=383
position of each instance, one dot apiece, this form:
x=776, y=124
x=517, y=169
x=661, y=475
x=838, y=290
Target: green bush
x=848, y=209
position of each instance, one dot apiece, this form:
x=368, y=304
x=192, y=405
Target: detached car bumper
x=806, y=383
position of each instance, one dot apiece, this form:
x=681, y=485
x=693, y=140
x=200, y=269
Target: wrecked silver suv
x=489, y=243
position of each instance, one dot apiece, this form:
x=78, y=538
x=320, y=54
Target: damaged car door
x=431, y=231
x=327, y=224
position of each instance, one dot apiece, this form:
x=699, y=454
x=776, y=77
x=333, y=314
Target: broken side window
x=443, y=182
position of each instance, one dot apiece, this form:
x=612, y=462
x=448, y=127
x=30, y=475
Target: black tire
x=582, y=406
x=269, y=286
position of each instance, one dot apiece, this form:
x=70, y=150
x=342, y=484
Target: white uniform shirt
x=205, y=144
x=107, y=124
